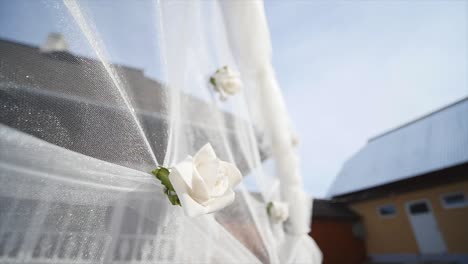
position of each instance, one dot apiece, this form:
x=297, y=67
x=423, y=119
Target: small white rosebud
x=278, y=211
x=226, y=82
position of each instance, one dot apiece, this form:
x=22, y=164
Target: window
x=454, y=200
x=388, y=210
x=419, y=208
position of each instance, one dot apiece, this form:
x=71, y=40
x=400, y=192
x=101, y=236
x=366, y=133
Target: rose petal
x=206, y=167
x=179, y=184
x=232, y=172
x=200, y=189
x=206, y=153
x=208, y=170
x=184, y=170
x=231, y=85
x=214, y=177
x=220, y=202
x=279, y=211
x=190, y=206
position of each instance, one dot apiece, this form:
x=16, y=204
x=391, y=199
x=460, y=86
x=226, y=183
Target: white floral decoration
x=278, y=211
x=226, y=82
x=201, y=184
x=295, y=140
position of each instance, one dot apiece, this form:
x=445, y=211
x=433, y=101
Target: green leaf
x=174, y=199
x=155, y=172
x=269, y=206
x=213, y=81
x=162, y=174
x=164, y=178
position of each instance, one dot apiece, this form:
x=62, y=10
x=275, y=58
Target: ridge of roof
x=80, y=57
x=18, y=43
x=418, y=119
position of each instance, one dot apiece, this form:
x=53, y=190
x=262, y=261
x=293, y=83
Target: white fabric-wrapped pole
x=249, y=37
x=250, y=40
x=275, y=117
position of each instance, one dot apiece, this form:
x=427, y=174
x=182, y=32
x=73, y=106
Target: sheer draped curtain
x=81, y=131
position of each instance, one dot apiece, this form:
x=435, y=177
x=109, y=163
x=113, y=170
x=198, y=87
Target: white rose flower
x=204, y=183
x=278, y=211
x=226, y=82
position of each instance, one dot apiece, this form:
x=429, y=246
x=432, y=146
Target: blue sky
x=353, y=69
x=348, y=69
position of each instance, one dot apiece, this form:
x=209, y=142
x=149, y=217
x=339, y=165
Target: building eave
x=444, y=176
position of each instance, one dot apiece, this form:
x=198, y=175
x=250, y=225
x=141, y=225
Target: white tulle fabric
x=75, y=185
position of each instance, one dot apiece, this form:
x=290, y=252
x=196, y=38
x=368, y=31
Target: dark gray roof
x=431, y=143
x=332, y=210
x=80, y=103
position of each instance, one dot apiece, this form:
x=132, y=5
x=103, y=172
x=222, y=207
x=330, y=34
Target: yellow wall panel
x=394, y=235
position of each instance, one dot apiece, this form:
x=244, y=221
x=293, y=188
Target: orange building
x=410, y=188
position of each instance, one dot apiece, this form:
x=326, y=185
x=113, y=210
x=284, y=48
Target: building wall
x=337, y=242
x=394, y=235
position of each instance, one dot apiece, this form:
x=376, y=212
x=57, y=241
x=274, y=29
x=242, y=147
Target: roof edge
x=418, y=119
x=82, y=57
x=430, y=179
